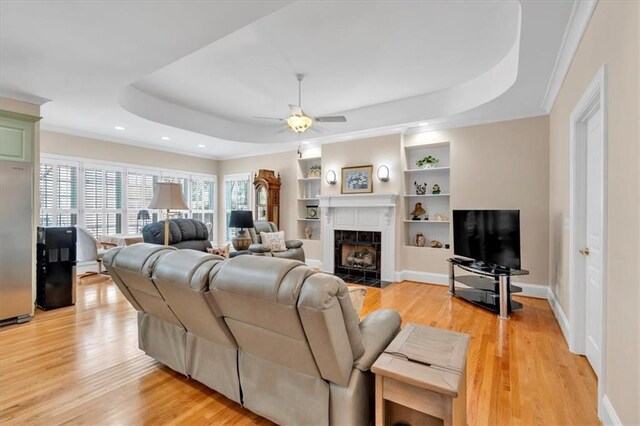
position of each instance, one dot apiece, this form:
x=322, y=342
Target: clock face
x=312, y=212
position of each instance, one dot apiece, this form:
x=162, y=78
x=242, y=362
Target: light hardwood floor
x=81, y=365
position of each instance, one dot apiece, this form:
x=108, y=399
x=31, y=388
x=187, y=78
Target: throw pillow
x=357, y=295
x=219, y=251
x=274, y=241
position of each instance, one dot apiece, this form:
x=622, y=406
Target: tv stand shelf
x=488, y=287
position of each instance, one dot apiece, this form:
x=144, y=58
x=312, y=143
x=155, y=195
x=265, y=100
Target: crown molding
x=577, y=25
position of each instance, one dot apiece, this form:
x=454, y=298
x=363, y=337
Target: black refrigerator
x=56, y=267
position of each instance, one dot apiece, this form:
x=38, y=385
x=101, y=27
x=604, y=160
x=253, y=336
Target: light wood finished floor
x=81, y=365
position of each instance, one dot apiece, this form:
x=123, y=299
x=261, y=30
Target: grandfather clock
x=267, y=191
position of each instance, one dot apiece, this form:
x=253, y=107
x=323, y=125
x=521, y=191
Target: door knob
x=584, y=251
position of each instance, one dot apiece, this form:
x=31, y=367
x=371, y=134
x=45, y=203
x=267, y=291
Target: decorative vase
x=420, y=239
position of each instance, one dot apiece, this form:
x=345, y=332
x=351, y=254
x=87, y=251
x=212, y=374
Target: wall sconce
x=383, y=173
x=331, y=177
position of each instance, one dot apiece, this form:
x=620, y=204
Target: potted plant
x=427, y=162
x=314, y=171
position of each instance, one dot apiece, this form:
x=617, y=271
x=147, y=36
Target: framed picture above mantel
x=357, y=180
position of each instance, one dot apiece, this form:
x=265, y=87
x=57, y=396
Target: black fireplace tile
x=349, y=235
x=342, y=270
x=377, y=237
x=384, y=284
x=365, y=237
x=337, y=235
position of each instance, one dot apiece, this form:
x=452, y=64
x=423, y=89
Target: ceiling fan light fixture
x=299, y=123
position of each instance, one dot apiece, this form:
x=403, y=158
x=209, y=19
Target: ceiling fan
x=300, y=122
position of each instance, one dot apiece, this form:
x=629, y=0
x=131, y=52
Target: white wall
x=612, y=37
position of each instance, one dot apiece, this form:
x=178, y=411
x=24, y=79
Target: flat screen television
x=490, y=236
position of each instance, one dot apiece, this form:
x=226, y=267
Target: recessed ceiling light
x=165, y=138
x=423, y=124
x=119, y=128
x=201, y=146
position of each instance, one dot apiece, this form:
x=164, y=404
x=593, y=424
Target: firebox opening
x=362, y=256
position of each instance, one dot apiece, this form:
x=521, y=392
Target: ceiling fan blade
x=283, y=130
x=269, y=118
x=295, y=110
x=332, y=119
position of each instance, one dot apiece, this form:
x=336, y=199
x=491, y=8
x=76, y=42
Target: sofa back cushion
x=257, y=297
x=182, y=277
x=180, y=230
x=331, y=326
x=261, y=226
x=131, y=268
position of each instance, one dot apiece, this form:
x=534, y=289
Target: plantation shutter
x=46, y=194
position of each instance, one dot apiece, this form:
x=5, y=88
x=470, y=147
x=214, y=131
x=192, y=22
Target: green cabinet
x=17, y=136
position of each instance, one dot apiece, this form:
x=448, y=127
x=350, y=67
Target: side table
x=421, y=378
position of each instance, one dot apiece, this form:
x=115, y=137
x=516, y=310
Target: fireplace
x=362, y=222
x=358, y=257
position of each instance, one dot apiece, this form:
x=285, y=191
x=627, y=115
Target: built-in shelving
x=433, y=203
x=426, y=195
x=431, y=170
x=308, y=193
x=427, y=222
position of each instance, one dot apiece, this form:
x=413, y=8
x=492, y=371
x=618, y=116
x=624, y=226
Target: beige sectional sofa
x=271, y=334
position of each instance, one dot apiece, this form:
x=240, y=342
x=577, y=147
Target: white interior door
x=592, y=251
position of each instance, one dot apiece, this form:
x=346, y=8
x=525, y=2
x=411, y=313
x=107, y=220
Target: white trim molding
x=577, y=25
x=609, y=416
x=538, y=291
x=561, y=318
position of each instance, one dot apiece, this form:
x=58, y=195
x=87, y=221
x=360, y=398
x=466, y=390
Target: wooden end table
x=421, y=378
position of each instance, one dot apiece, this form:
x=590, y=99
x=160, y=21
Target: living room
x=523, y=115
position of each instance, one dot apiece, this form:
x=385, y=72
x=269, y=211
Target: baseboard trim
x=561, y=318
x=609, y=415
x=314, y=263
x=537, y=291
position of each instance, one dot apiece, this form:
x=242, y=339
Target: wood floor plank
x=81, y=365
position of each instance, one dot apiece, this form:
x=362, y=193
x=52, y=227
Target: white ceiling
x=198, y=71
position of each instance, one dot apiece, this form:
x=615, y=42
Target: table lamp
x=167, y=196
x=144, y=216
x=241, y=219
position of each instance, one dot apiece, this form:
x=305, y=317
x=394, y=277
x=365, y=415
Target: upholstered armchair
x=89, y=250
x=294, y=247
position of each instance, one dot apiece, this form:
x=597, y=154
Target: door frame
x=593, y=101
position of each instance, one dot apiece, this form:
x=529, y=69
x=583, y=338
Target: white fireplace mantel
x=359, y=200
x=360, y=212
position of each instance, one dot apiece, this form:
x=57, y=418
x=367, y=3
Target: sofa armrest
x=293, y=244
x=378, y=330
x=259, y=248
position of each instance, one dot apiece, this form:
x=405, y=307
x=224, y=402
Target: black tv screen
x=491, y=236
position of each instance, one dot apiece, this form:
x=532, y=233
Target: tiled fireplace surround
x=366, y=220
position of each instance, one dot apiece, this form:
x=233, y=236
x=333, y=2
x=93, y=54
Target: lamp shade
x=143, y=215
x=241, y=219
x=168, y=195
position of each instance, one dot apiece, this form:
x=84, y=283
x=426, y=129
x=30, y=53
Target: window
x=203, y=201
x=105, y=198
x=58, y=194
x=102, y=200
x=237, y=196
x=139, y=194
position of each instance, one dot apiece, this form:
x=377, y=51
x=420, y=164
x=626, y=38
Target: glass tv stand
x=487, y=286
